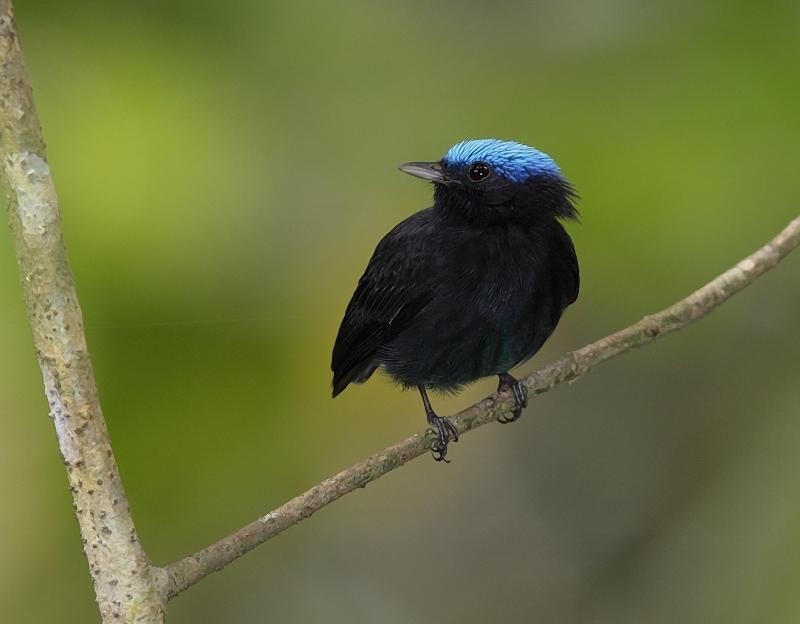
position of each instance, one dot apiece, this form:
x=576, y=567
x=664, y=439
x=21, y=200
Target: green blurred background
x=224, y=172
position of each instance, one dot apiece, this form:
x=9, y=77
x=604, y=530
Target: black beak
x=431, y=171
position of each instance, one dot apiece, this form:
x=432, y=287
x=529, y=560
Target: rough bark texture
x=124, y=581
x=188, y=571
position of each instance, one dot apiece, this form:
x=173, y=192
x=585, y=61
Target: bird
x=469, y=287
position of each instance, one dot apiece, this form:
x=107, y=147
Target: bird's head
x=488, y=180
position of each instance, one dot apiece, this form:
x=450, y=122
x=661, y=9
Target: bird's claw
x=446, y=432
x=520, y=392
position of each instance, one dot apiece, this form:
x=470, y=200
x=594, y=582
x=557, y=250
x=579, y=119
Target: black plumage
x=470, y=287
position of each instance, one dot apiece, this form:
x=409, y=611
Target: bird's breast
x=488, y=312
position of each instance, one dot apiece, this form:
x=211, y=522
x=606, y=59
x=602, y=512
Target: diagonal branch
x=188, y=571
x=124, y=580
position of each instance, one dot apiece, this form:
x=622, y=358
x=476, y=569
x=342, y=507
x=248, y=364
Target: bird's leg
x=445, y=429
x=520, y=392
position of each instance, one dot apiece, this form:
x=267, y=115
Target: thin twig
x=188, y=571
x=124, y=580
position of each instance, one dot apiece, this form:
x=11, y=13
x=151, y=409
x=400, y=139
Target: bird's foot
x=520, y=392
x=446, y=432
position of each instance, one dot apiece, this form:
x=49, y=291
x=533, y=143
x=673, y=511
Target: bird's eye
x=479, y=171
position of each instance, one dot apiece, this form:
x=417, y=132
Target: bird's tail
x=358, y=375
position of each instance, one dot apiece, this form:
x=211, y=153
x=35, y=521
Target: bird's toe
x=520, y=393
x=446, y=432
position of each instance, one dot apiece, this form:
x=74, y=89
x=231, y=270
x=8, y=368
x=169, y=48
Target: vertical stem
x=124, y=581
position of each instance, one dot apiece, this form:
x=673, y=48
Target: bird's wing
x=389, y=294
x=576, y=274
x=570, y=279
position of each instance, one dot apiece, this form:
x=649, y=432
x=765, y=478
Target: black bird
x=470, y=287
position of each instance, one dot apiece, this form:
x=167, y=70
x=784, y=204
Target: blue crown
x=512, y=160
